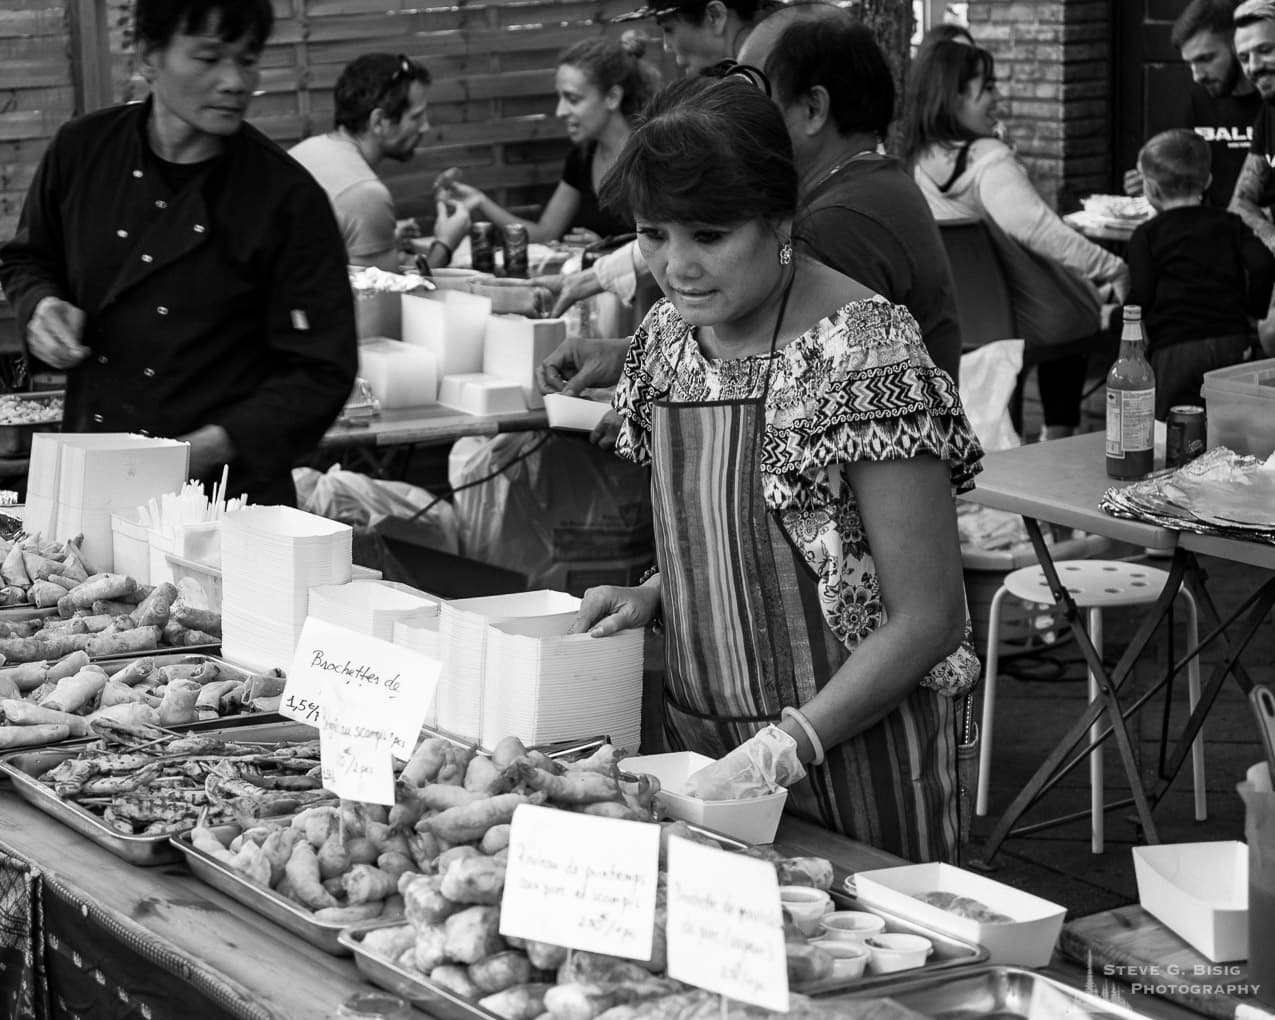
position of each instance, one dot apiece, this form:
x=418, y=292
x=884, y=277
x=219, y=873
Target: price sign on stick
x=354, y=746
x=582, y=882
x=725, y=925
x=395, y=683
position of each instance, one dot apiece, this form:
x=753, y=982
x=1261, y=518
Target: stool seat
x=1093, y=584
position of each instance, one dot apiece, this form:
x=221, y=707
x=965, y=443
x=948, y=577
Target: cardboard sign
x=581, y=881
x=725, y=925
x=395, y=684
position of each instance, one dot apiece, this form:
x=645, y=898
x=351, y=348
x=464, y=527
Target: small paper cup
x=849, y=959
x=896, y=951
x=805, y=905
x=851, y=925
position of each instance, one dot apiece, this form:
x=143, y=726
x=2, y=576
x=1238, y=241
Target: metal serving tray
x=23, y=768
x=1002, y=993
x=292, y=916
x=172, y=657
x=15, y=437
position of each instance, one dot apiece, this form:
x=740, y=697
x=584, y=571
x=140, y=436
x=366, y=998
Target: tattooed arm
x=1250, y=188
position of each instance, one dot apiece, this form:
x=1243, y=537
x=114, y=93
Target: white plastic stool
x=1094, y=585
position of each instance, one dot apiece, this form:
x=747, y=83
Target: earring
x=785, y=253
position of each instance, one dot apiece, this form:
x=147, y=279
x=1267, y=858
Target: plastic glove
x=757, y=767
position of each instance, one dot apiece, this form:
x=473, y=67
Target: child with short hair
x=1198, y=272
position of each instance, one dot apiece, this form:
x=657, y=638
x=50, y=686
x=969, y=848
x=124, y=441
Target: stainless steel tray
x=1003, y=993
x=169, y=657
x=23, y=768
x=292, y=916
x=949, y=953
x=15, y=437
x=434, y=999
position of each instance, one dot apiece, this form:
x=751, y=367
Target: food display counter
x=156, y=943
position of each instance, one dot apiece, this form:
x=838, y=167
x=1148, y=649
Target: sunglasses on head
x=402, y=72
x=733, y=69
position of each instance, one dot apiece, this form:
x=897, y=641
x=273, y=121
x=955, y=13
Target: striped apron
x=745, y=637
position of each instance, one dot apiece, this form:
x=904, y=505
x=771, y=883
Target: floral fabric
x=857, y=386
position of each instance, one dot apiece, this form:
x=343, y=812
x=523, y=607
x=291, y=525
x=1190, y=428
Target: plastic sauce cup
x=849, y=959
x=805, y=905
x=851, y=925
x=897, y=951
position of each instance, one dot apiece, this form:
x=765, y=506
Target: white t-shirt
x=362, y=203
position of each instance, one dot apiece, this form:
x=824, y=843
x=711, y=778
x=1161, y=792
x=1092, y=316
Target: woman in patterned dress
x=804, y=452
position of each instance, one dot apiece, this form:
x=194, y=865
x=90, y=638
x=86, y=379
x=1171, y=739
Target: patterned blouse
x=858, y=385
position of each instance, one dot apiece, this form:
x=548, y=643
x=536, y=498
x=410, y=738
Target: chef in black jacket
x=184, y=270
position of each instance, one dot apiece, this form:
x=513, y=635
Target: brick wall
x=1053, y=65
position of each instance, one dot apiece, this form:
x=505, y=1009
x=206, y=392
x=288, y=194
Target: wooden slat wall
x=490, y=107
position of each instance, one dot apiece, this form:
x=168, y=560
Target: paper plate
x=574, y=412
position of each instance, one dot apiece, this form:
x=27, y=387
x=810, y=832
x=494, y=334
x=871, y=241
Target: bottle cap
x=1132, y=313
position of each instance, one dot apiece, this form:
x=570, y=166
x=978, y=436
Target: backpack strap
x=962, y=161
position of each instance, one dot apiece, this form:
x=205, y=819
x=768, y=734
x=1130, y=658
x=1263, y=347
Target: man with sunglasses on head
x=379, y=114
x=700, y=33
x=182, y=269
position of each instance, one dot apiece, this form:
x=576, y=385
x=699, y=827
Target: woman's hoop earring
x=785, y=253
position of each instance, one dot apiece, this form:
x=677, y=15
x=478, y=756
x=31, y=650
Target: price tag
x=396, y=684
x=355, y=746
x=725, y=925
x=582, y=882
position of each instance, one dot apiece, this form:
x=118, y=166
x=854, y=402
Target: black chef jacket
x=226, y=302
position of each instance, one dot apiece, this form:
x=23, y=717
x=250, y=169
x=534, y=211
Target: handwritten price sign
x=395, y=683
x=725, y=925
x=582, y=882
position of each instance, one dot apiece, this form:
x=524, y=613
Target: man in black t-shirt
x=1221, y=104
x=1255, y=48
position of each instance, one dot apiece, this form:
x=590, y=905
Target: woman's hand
x=607, y=431
x=759, y=766
x=451, y=224
x=581, y=363
x=576, y=287
x=609, y=609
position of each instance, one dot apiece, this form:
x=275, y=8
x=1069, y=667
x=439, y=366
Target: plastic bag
x=360, y=501
x=556, y=508
x=761, y=765
x=988, y=377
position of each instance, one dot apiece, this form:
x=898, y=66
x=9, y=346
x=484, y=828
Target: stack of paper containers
x=374, y=608
x=271, y=557
x=75, y=482
x=511, y=669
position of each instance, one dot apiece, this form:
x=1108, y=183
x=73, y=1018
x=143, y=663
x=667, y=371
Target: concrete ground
x=1033, y=713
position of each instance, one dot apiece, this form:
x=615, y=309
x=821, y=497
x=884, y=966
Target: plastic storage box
x=1241, y=407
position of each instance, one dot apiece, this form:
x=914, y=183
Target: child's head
x=1175, y=168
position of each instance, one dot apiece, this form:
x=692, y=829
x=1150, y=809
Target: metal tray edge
x=143, y=851
x=420, y=990
x=900, y=989
x=266, y=902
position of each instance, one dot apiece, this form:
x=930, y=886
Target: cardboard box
x=753, y=820
x=1200, y=891
x=1026, y=941
x=477, y=393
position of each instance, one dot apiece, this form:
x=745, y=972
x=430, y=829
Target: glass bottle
x=1131, y=404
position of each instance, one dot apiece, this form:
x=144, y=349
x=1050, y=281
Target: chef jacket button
x=102, y=359
x=149, y=373
x=199, y=228
x=160, y=204
x=162, y=309
x=143, y=432
x=97, y=418
x=121, y=232
x=147, y=258
x=137, y=173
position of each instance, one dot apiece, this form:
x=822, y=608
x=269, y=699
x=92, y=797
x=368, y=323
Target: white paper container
x=567, y=412
x=371, y=607
x=477, y=393
x=401, y=375
x=1027, y=941
x=130, y=542
x=451, y=323
x=516, y=345
x=1200, y=891
x=753, y=820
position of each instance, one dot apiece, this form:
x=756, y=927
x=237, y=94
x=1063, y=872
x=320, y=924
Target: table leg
x=1106, y=702
x=1258, y=606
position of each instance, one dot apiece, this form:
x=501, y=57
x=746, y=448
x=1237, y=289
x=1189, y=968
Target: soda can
x=1184, y=437
x=482, y=246
x=515, y=250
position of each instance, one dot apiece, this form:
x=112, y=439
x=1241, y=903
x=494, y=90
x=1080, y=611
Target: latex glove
x=759, y=766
